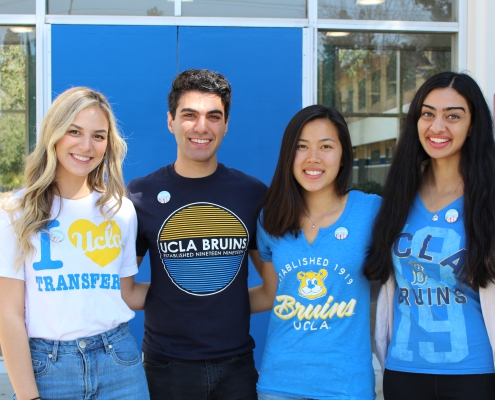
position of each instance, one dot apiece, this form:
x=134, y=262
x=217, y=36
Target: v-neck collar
x=322, y=232
x=456, y=204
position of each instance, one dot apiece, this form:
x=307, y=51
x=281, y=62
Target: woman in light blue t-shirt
x=434, y=248
x=313, y=236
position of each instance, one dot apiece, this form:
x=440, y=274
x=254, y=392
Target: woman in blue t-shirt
x=313, y=235
x=436, y=311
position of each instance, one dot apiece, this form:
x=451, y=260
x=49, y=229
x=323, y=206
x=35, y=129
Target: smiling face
x=318, y=156
x=83, y=146
x=199, y=127
x=444, y=124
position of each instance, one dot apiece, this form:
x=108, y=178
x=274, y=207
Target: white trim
x=40, y=63
x=176, y=21
x=388, y=26
x=333, y=24
x=178, y=8
x=372, y=166
x=462, y=36
x=308, y=87
x=17, y=19
x=47, y=65
x=310, y=56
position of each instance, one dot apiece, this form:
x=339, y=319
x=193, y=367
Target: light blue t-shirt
x=438, y=324
x=318, y=344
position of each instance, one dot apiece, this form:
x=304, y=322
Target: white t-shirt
x=72, y=281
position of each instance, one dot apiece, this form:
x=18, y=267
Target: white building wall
x=481, y=45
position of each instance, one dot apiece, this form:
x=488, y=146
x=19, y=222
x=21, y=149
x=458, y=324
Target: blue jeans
x=229, y=378
x=104, y=367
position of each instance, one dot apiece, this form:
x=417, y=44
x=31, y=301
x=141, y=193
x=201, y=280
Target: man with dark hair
x=197, y=219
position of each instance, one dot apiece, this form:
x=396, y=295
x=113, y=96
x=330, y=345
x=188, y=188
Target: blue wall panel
x=264, y=66
x=134, y=66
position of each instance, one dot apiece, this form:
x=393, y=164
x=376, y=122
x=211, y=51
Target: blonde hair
x=30, y=212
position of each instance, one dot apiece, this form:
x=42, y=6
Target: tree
x=13, y=112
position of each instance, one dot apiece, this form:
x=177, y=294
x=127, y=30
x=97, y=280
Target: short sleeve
x=263, y=241
x=129, y=263
x=253, y=243
x=141, y=244
x=7, y=249
x=377, y=202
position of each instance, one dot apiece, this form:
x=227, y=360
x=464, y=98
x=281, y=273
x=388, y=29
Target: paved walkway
x=5, y=386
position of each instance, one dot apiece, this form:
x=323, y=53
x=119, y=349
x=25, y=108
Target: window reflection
x=17, y=102
x=397, y=10
x=17, y=6
x=111, y=7
x=371, y=78
x=245, y=8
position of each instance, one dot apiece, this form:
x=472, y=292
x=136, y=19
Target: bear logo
x=418, y=271
x=312, y=286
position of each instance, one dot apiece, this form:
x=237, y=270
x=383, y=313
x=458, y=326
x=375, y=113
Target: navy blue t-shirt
x=197, y=232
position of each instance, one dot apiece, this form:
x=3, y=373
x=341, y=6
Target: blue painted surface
x=134, y=66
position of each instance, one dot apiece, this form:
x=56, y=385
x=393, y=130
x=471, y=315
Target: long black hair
x=283, y=203
x=477, y=168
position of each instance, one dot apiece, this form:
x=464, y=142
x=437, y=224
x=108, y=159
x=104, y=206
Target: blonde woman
x=67, y=260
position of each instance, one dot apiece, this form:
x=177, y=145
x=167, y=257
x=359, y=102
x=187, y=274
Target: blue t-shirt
x=318, y=342
x=438, y=324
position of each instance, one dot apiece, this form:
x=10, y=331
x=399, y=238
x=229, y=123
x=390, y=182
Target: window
x=17, y=102
x=189, y=8
x=375, y=157
x=396, y=10
x=385, y=70
x=111, y=7
x=245, y=8
x=376, y=86
x=17, y=6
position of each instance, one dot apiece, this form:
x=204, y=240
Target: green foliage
x=352, y=60
x=12, y=150
x=440, y=10
x=12, y=77
x=12, y=116
x=154, y=11
x=368, y=187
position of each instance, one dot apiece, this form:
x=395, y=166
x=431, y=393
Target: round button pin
x=341, y=233
x=56, y=236
x=451, y=215
x=82, y=344
x=163, y=197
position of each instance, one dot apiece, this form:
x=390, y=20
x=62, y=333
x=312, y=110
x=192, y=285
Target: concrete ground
x=6, y=388
x=378, y=379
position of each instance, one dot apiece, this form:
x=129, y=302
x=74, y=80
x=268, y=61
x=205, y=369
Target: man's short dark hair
x=200, y=80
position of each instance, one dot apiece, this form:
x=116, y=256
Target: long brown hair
x=476, y=167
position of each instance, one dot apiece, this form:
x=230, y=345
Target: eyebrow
x=214, y=111
x=446, y=108
x=81, y=128
x=321, y=140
